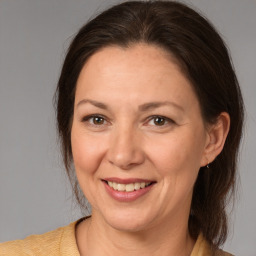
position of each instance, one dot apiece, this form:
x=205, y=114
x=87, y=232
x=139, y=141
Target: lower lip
x=123, y=196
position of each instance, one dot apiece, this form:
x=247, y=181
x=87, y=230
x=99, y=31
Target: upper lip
x=127, y=181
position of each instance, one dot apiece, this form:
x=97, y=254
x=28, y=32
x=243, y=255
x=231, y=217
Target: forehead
x=142, y=56
x=137, y=73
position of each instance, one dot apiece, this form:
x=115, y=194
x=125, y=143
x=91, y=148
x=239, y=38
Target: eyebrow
x=153, y=105
x=93, y=102
x=143, y=108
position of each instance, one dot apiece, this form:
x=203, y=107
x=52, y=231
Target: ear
x=216, y=137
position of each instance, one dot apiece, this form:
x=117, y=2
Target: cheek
x=87, y=151
x=178, y=155
x=177, y=161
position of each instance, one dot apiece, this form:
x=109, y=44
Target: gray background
x=34, y=194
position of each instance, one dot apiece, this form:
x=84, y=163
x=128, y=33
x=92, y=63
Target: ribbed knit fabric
x=62, y=242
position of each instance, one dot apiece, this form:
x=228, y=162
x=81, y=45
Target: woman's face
x=138, y=138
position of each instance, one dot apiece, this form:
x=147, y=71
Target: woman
x=150, y=116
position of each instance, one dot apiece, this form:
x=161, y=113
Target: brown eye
x=94, y=120
x=97, y=120
x=159, y=121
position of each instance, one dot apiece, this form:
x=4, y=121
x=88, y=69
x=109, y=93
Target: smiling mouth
x=128, y=187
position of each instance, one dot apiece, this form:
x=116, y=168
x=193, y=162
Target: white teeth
x=114, y=185
x=120, y=187
x=128, y=187
x=137, y=186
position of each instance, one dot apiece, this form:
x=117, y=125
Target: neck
x=95, y=237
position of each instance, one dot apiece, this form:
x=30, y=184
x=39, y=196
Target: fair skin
x=137, y=119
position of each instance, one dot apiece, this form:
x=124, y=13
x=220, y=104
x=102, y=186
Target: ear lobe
x=217, y=134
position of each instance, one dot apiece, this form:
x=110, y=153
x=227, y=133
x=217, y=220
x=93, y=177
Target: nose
x=125, y=149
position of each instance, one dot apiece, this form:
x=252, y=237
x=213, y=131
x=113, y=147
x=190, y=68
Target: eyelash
x=166, y=120
x=86, y=119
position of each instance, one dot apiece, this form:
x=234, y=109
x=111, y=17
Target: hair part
x=203, y=58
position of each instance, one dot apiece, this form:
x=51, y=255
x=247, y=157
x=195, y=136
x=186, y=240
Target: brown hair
x=204, y=59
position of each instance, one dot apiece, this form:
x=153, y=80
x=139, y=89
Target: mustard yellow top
x=62, y=242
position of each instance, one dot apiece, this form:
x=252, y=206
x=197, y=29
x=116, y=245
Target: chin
x=129, y=221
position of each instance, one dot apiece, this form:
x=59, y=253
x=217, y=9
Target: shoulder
x=202, y=248
x=58, y=242
x=34, y=244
